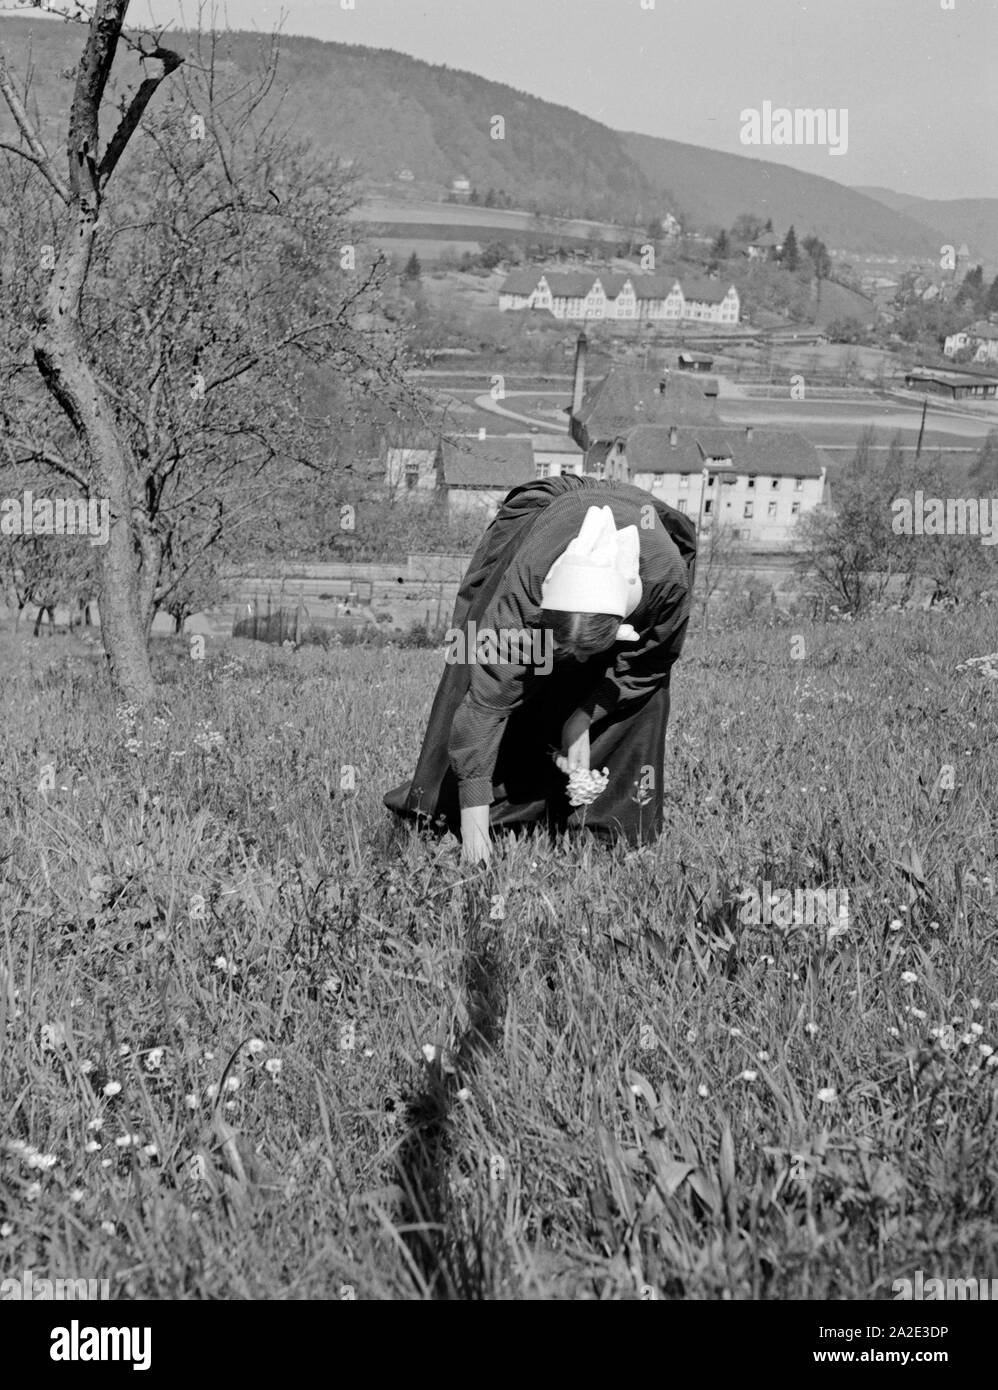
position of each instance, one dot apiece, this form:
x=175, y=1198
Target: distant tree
x=721, y=248
x=984, y=471
x=846, y=329
x=413, y=269
x=494, y=254
x=790, y=255
x=769, y=225
x=991, y=298
x=474, y=198
x=746, y=228
x=972, y=288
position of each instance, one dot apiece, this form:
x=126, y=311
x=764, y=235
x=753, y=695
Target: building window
x=684, y=480
x=775, y=484
x=543, y=470
x=772, y=509
x=711, y=479
x=798, y=485
x=708, y=506
x=795, y=509
x=751, y=482
x=682, y=505
x=748, y=510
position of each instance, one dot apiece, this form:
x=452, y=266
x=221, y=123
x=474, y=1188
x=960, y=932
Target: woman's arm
x=475, y=846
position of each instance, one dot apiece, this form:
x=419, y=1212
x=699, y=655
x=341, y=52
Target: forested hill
x=388, y=113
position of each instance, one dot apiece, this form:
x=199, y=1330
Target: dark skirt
x=527, y=788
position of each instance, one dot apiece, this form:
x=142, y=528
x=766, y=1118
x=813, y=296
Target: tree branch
x=136, y=108
x=38, y=153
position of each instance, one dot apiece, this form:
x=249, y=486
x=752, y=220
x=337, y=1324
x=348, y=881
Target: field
x=260, y=1042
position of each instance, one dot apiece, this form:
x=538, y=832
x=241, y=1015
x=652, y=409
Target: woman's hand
x=575, y=743
x=476, y=847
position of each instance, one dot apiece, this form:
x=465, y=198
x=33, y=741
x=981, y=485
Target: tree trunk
x=67, y=374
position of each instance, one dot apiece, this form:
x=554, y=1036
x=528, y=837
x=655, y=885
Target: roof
x=705, y=291
x=982, y=329
x=695, y=357
x=520, y=282
x=499, y=462
x=771, y=453
x=627, y=396
x=555, y=444
x=766, y=240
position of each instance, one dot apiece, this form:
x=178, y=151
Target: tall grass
x=260, y=1041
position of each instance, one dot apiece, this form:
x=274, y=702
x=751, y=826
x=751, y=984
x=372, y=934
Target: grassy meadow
x=257, y=1040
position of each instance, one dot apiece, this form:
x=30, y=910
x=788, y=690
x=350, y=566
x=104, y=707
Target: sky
x=919, y=82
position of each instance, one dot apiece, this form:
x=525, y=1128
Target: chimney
x=748, y=434
x=579, y=385
x=673, y=437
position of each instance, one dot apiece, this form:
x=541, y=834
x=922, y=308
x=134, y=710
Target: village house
x=765, y=247
x=475, y=474
x=757, y=483
x=981, y=338
x=587, y=295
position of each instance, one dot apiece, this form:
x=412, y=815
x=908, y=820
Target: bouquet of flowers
x=585, y=785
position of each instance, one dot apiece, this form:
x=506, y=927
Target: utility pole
x=921, y=429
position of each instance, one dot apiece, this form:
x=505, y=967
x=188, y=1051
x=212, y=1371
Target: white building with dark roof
x=579, y=294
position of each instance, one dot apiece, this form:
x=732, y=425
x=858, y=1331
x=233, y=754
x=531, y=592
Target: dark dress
x=492, y=728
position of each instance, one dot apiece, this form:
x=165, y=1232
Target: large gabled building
x=585, y=295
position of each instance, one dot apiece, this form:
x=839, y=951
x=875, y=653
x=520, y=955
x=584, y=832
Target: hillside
x=715, y=187
x=973, y=220
x=387, y=111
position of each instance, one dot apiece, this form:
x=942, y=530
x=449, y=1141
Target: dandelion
x=91, y=1146
x=43, y=1162
x=747, y=1075
x=232, y=1083
x=827, y=1095
x=86, y=1067
x=992, y=1060
x=918, y=1013
x=464, y=1093
x=985, y=1049
x=811, y=1028
x=255, y=1046
x=6, y=1230
x=150, y=1150
x=154, y=1058
x=896, y=924
x=762, y=1056
x=124, y=1050
x=112, y=1088
x=220, y=963
x=123, y=1141
x=429, y=1052
x=96, y=1123
x=975, y=1003
x=191, y=1100
x=703, y=1091
x=33, y=1191
x=211, y=1091
x=107, y=1227
x=273, y=1066
x=909, y=977
x=977, y=1029
x=76, y=1195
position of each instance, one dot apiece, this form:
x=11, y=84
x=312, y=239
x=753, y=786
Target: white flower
x=703, y=1091
x=220, y=963
x=827, y=1095
x=6, y=1230
x=975, y=1003
x=112, y=1088
x=985, y=1049
x=42, y=1161
x=33, y=1191
x=86, y=1067
x=811, y=1028
x=76, y=1195
x=255, y=1046
x=150, y=1150
x=747, y=1075
x=917, y=1013
x=429, y=1052
x=909, y=977
x=124, y=1050
x=123, y=1141
x=232, y=1083
x=191, y=1100
x=896, y=924
x=465, y=1094
x=154, y=1058
x=762, y=1056
x=107, y=1227
x=273, y=1066
x=977, y=1029
x=91, y=1146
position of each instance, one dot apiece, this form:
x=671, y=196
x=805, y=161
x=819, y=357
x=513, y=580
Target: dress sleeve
x=642, y=667
x=494, y=692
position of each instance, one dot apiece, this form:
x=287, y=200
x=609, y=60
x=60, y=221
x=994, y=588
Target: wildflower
x=91, y=1146
x=33, y=1191
x=123, y=1141
x=811, y=1028
x=464, y=1093
x=827, y=1095
x=762, y=1056
x=232, y=1083
x=977, y=1029
x=76, y=1195
x=191, y=1100
x=273, y=1066
x=909, y=977
x=985, y=1049
x=43, y=1162
x=107, y=1227
x=429, y=1052
x=86, y=1067
x=150, y=1150
x=6, y=1230
x=975, y=1003
x=255, y=1046
x=96, y=1123
x=112, y=1088
x=211, y=1091
x=747, y=1075
x=896, y=924
x=992, y=1060
x=220, y=963
x=917, y=1013
x=703, y=1091
x=154, y=1058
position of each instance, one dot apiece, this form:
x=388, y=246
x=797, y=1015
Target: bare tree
x=190, y=328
